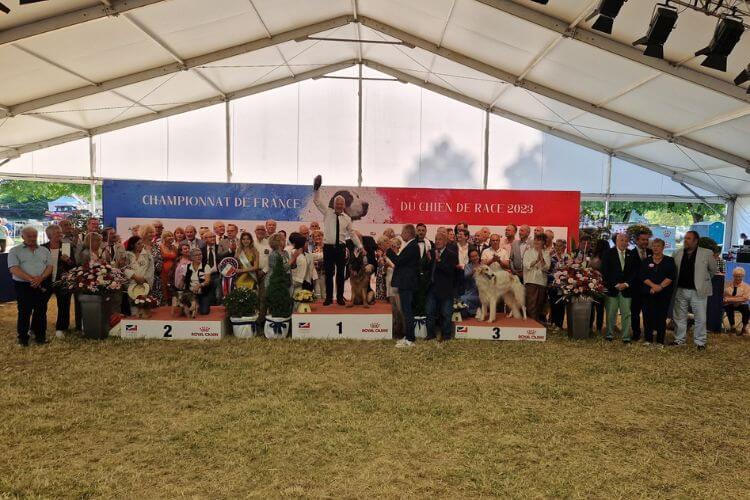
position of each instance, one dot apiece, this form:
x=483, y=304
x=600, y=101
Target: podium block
x=340, y=322
x=162, y=325
x=502, y=329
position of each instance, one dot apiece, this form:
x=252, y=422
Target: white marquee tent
x=437, y=93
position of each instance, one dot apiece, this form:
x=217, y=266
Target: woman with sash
x=248, y=258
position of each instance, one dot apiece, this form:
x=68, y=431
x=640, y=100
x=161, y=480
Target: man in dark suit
x=619, y=268
x=442, y=284
x=213, y=253
x=641, y=252
x=406, y=279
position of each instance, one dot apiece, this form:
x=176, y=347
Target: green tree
x=662, y=213
x=15, y=191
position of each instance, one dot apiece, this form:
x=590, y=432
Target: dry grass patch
x=362, y=419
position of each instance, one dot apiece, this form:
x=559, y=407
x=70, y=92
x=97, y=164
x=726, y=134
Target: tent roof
x=78, y=68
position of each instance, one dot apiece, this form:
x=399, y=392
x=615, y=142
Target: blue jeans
x=406, y=297
x=444, y=307
x=683, y=299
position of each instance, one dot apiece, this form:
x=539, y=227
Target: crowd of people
x=640, y=281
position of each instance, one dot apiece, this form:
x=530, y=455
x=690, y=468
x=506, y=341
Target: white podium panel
x=504, y=329
x=342, y=326
x=162, y=326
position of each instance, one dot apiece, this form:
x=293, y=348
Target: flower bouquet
x=458, y=309
x=303, y=298
x=144, y=304
x=93, y=279
x=575, y=283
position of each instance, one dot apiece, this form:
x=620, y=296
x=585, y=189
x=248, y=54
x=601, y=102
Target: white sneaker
x=646, y=343
x=60, y=334
x=404, y=343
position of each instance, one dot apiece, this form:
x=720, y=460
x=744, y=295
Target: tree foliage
x=15, y=191
x=661, y=213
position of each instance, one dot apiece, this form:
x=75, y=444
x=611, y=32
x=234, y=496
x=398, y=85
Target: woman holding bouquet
x=248, y=258
x=657, y=274
x=148, y=234
x=558, y=260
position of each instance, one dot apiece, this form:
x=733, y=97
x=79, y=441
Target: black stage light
x=743, y=77
x=661, y=25
x=607, y=12
x=726, y=35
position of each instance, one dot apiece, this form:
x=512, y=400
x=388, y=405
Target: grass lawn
x=263, y=418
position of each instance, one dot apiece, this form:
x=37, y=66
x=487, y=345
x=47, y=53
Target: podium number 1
x=167, y=331
x=340, y=325
x=496, y=333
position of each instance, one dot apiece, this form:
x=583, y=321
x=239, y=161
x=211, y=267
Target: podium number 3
x=167, y=331
x=340, y=326
x=496, y=333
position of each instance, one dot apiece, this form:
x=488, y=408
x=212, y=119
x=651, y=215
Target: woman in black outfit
x=595, y=262
x=657, y=274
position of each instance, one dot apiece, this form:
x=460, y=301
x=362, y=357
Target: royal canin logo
x=531, y=332
x=205, y=329
x=374, y=325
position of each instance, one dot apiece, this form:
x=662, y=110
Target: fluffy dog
x=359, y=278
x=493, y=284
x=187, y=305
x=356, y=207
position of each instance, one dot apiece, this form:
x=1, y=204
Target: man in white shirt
x=510, y=236
x=495, y=253
x=736, y=298
x=425, y=245
x=270, y=227
x=462, y=247
x=337, y=225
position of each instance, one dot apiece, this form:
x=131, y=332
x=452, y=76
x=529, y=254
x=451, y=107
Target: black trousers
x=63, y=309
x=556, y=308
x=32, y=312
x=636, y=306
x=334, y=262
x=597, y=309
x=77, y=307
x=742, y=308
x=655, y=309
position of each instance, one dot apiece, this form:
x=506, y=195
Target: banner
x=129, y=203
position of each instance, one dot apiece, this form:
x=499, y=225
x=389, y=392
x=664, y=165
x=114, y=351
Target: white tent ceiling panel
x=91, y=111
x=410, y=61
x=567, y=10
x=494, y=37
x=606, y=132
x=536, y=107
x=201, y=26
x=468, y=82
x=25, y=77
x=170, y=90
x=584, y=72
x=673, y=104
x=628, y=178
x=313, y=53
x=99, y=50
x=731, y=136
x=241, y=71
x=423, y=18
x=731, y=182
x=676, y=157
x=18, y=130
x=284, y=15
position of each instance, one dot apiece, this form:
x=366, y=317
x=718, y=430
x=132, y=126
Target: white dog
x=494, y=284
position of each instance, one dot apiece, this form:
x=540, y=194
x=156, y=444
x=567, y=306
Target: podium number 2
x=340, y=325
x=496, y=333
x=167, y=331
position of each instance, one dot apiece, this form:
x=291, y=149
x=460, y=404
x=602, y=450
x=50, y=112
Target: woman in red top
x=168, y=255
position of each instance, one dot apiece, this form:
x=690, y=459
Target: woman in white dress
x=301, y=264
x=139, y=265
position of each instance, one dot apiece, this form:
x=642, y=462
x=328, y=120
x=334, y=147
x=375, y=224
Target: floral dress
x=156, y=288
x=381, y=284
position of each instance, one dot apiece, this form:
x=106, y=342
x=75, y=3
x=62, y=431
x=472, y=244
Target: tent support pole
x=729, y=225
x=486, y=148
x=359, y=126
x=228, y=137
x=92, y=173
x=608, y=194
